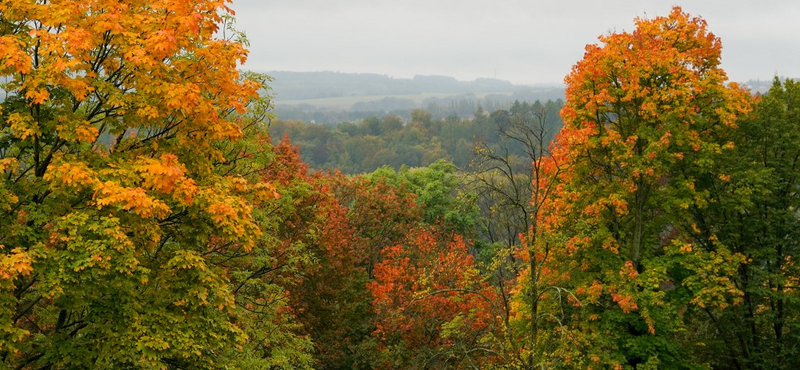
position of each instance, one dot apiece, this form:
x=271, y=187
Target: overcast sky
x=522, y=41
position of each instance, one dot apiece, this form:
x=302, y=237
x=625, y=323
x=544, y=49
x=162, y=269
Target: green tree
x=753, y=211
x=391, y=123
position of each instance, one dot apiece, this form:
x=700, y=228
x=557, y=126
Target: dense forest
x=154, y=214
x=367, y=144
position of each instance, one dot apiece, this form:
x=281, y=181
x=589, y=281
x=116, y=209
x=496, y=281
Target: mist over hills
x=317, y=85
x=333, y=97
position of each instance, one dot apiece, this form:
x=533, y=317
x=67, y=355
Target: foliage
x=646, y=119
x=147, y=220
x=437, y=189
x=329, y=296
x=419, y=140
x=753, y=211
x=433, y=309
x=512, y=186
x=129, y=219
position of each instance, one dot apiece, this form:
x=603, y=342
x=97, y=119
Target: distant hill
x=333, y=97
x=290, y=86
x=762, y=86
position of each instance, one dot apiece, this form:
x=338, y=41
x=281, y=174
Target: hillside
x=332, y=97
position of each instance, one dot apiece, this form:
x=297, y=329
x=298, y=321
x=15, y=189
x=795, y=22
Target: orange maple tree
x=433, y=308
x=647, y=113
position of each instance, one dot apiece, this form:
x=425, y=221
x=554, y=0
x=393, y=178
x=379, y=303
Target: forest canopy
x=154, y=214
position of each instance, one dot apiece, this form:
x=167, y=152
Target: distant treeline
x=763, y=86
x=417, y=140
x=316, y=85
x=462, y=105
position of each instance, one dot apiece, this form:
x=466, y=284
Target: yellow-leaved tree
x=125, y=213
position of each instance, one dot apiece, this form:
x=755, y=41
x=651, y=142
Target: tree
x=433, y=309
x=753, y=211
x=380, y=212
x=326, y=288
x=127, y=207
x=265, y=279
x=436, y=191
x=513, y=186
x=505, y=173
x=387, y=209
x=646, y=112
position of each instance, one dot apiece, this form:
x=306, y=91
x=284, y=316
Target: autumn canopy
x=149, y=221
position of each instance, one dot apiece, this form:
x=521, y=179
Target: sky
x=522, y=41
